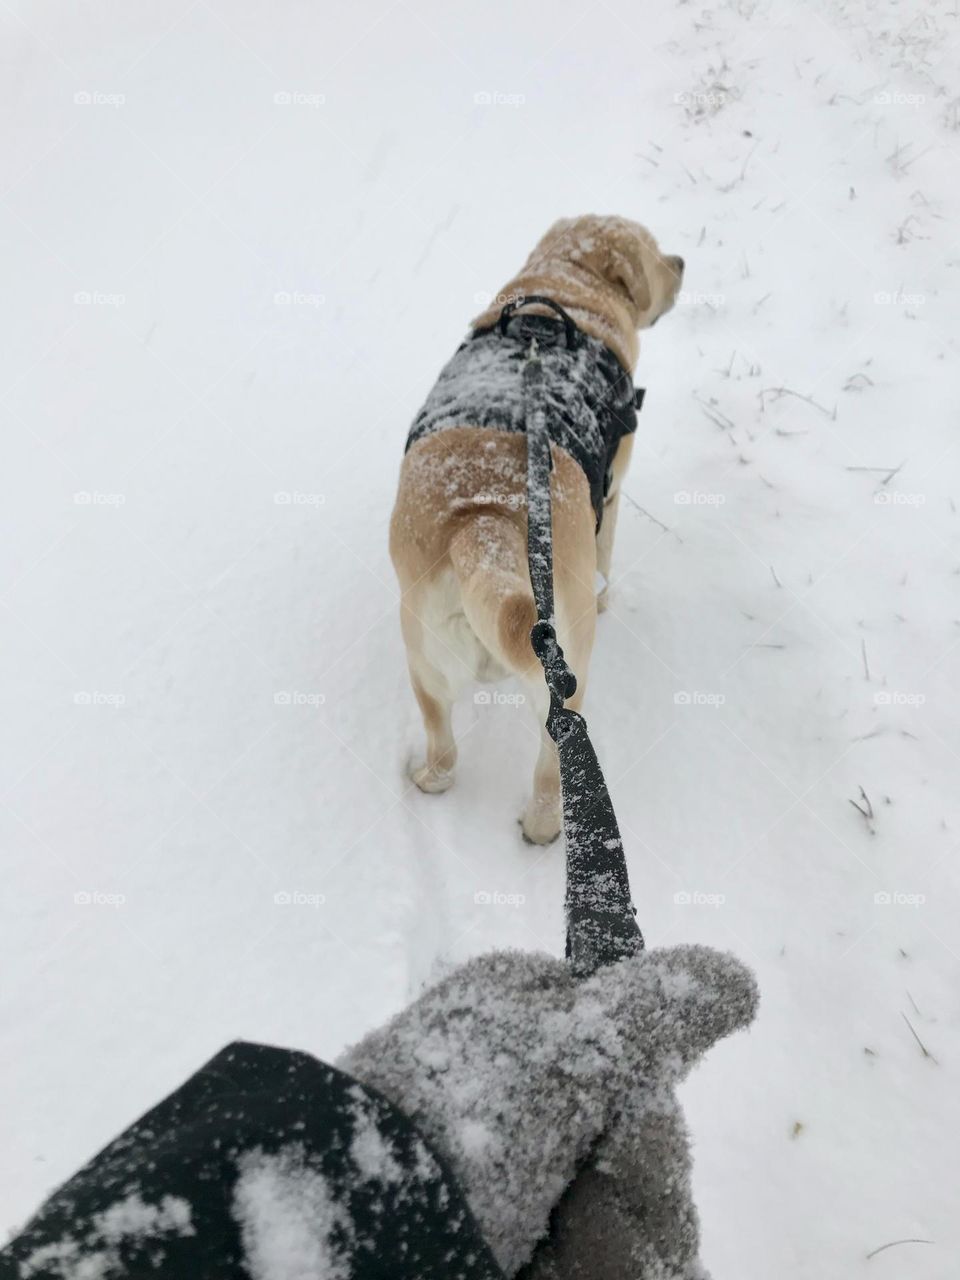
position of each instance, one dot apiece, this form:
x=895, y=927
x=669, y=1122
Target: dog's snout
x=678, y=264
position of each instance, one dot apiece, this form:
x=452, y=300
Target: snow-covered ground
x=239, y=240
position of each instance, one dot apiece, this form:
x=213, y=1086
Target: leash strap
x=601, y=921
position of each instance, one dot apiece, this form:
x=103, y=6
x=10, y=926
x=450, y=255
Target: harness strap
x=601, y=920
x=571, y=332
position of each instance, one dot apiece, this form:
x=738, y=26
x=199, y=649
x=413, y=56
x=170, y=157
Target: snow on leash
x=601, y=924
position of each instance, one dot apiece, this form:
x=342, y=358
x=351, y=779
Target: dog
x=458, y=533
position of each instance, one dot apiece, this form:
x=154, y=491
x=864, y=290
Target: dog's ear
x=627, y=271
x=648, y=279
x=613, y=249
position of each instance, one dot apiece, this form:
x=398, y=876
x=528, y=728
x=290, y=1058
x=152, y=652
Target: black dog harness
x=589, y=398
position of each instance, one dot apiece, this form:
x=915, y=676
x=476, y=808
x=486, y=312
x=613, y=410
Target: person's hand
x=550, y=1096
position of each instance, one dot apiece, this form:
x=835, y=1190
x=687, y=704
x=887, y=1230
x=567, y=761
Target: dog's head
x=617, y=254
x=608, y=272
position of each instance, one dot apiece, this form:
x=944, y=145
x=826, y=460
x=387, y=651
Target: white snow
x=131, y=1218
x=370, y=1151
x=134, y=1217
x=289, y=1218
x=222, y=312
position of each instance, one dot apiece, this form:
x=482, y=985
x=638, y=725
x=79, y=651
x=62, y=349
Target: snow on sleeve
x=133, y=1217
x=97, y=1255
x=291, y=1224
x=370, y=1149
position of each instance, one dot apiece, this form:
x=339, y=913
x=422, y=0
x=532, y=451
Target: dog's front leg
x=608, y=525
x=608, y=528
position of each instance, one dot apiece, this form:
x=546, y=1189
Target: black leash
x=601, y=921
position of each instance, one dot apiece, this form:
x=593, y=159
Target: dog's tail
x=489, y=557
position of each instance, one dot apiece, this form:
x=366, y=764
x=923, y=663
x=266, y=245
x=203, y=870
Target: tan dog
x=459, y=527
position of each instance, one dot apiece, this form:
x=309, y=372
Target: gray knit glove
x=546, y=1094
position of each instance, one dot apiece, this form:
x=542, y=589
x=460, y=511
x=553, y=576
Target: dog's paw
x=541, y=825
x=432, y=781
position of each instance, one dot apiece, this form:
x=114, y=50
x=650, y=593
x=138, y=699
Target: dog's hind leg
x=435, y=696
x=436, y=772
x=542, y=819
